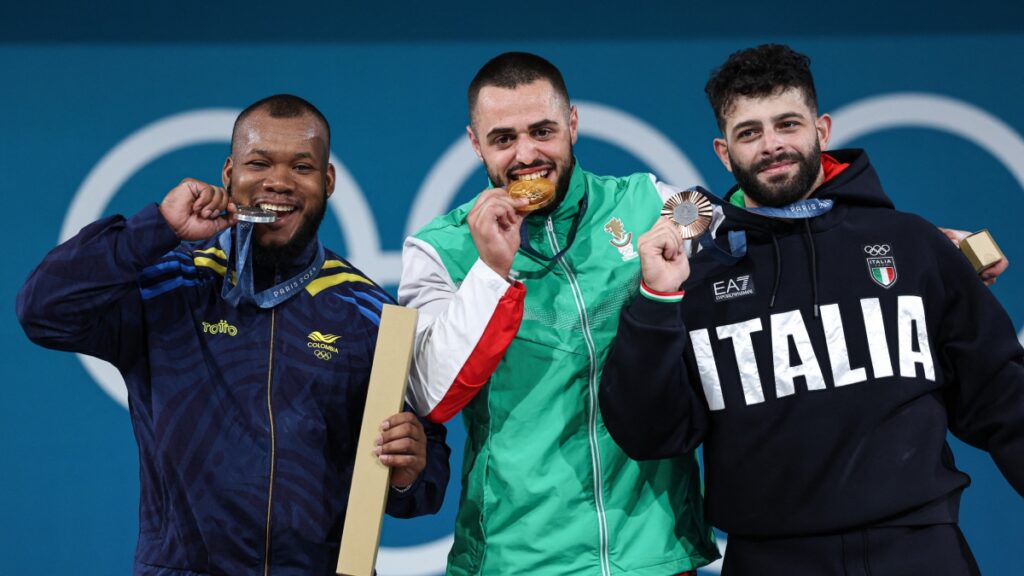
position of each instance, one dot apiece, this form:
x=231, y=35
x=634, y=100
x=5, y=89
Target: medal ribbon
x=243, y=290
x=802, y=209
x=524, y=236
x=810, y=208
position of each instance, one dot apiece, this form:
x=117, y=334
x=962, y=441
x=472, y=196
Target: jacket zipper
x=273, y=444
x=595, y=452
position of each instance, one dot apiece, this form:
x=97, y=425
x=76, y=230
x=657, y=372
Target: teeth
x=277, y=207
x=534, y=175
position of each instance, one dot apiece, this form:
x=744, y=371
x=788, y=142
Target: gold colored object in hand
x=690, y=211
x=981, y=250
x=539, y=191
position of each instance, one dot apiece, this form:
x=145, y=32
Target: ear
x=225, y=174
x=722, y=151
x=824, y=127
x=329, y=185
x=473, y=140
x=574, y=121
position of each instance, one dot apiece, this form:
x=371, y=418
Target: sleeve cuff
x=494, y=281
x=657, y=312
x=407, y=491
x=667, y=297
x=149, y=235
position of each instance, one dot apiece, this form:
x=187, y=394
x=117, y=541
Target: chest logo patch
x=881, y=266
x=221, y=327
x=733, y=288
x=322, y=344
x=621, y=239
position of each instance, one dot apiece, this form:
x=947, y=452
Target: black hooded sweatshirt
x=822, y=370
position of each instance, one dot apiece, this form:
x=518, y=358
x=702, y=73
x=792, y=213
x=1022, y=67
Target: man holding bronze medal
x=519, y=293
x=246, y=348
x=824, y=345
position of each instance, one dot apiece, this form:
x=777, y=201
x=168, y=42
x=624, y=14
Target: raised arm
x=647, y=402
x=84, y=295
x=463, y=329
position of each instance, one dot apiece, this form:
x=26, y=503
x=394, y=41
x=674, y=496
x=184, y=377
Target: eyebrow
x=531, y=127
x=754, y=123
x=265, y=153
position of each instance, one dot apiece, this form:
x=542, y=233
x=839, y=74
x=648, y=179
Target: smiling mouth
x=776, y=167
x=533, y=175
x=279, y=209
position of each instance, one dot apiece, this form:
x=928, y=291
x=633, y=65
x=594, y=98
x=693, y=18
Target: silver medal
x=254, y=215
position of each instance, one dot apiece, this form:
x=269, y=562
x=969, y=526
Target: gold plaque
x=981, y=250
x=690, y=211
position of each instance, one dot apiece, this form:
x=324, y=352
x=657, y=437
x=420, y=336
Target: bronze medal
x=690, y=211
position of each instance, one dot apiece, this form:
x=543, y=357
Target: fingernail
x=385, y=425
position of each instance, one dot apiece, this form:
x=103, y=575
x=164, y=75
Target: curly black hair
x=759, y=72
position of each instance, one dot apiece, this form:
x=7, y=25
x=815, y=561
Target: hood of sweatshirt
x=856, y=184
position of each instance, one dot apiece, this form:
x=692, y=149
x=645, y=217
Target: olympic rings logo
x=322, y=354
x=877, y=250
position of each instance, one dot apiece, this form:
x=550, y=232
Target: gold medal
x=690, y=211
x=254, y=214
x=539, y=191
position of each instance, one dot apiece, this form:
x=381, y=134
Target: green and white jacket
x=545, y=489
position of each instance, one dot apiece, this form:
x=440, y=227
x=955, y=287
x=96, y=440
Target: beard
x=561, y=185
x=285, y=254
x=781, y=190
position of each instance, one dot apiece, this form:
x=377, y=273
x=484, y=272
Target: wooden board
x=385, y=397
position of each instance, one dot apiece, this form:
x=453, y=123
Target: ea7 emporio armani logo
x=733, y=288
x=322, y=344
x=221, y=327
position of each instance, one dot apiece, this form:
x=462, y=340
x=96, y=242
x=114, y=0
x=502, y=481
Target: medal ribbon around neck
x=524, y=236
x=802, y=209
x=243, y=290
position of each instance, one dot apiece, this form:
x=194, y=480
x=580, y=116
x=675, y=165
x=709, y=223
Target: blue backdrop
x=102, y=118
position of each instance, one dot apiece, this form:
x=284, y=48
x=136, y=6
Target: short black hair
x=758, y=72
x=284, y=106
x=513, y=69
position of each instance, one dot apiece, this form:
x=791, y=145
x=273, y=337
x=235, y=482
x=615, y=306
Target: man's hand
x=663, y=260
x=494, y=225
x=194, y=209
x=988, y=275
x=402, y=446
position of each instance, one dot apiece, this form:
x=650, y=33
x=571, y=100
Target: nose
x=278, y=180
x=526, y=151
x=772, y=142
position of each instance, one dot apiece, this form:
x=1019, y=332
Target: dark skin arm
x=402, y=446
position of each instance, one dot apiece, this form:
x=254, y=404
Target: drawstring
x=778, y=269
x=814, y=266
